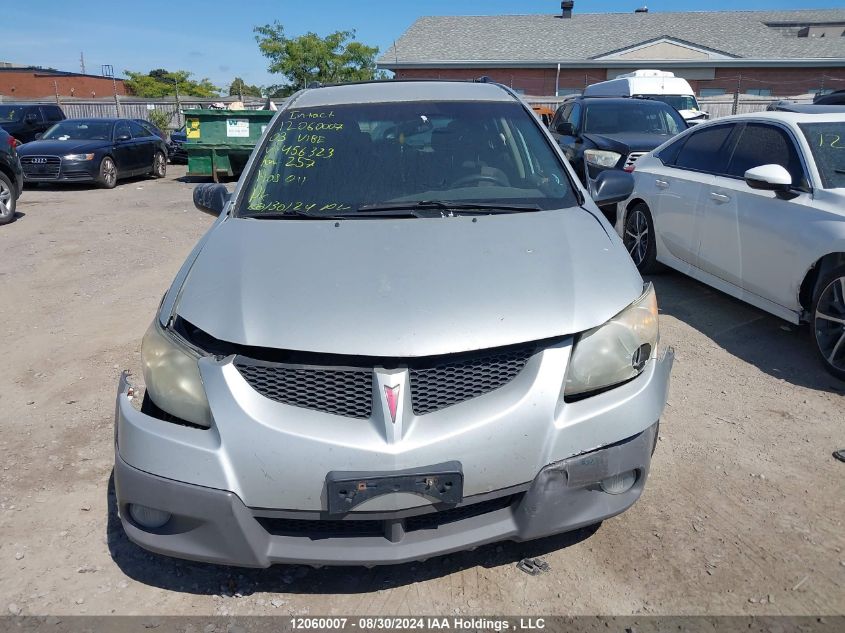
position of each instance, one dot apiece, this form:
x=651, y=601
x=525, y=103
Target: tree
x=161, y=83
x=337, y=58
x=238, y=87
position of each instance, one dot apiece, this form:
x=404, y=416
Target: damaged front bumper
x=212, y=522
x=215, y=526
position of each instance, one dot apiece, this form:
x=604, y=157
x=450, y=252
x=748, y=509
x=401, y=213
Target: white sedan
x=753, y=205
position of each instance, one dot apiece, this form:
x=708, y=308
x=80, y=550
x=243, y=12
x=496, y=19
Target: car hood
x=407, y=287
x=628, y=141
x=59, y=148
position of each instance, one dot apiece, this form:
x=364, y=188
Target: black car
x=177, y=150
x=598, y=133
x=11, y=177
x=837, y=97
x=25, y=121
x=94, y=150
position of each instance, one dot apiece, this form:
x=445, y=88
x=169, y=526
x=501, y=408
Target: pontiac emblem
x=391, y=394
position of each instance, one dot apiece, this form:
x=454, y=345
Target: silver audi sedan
x=409, y=332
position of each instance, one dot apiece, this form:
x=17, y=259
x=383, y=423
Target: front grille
x=41, y=167
x=632, y=158
x=76, y=174
x=443, y=385
x=435, y=383
x=341, y=391
x=333, y=528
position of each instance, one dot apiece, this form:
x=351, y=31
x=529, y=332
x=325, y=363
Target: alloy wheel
x=159, y=166
x=5, y=200
x=636, y=236
x=109, y=171
x=829, y=323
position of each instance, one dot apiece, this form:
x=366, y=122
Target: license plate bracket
x=442, y=483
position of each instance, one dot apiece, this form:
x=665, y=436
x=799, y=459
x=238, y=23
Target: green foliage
x=160, y=119
x=239, y=87
x=337, y=58
x=162, y=83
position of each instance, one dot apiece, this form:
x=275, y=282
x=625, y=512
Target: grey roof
x=549, y=38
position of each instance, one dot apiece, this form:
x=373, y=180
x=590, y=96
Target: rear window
x=340, y=158
x=827, y=143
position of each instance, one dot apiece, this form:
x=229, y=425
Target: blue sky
x=218, y=42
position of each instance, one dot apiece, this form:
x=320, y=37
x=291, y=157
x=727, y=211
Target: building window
x=711, y=92
x=562, y=92
x=759, y=92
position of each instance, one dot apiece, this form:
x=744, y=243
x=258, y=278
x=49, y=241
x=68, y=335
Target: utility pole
x=736, y=94
x=178, y=105
x=108, y=71
x=56, y=88
x=82, y=61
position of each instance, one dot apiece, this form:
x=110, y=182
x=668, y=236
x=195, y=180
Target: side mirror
x=38, y=135
x=768, y=178
x=611, y=186
x=123, y=137
x=211, y=198
x=564, y=128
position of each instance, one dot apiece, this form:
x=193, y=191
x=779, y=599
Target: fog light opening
x=617, y=484
x=148, y=518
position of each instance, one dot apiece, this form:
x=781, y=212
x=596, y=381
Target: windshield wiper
x=839, y=171
x=442, y=205
x=309, y=215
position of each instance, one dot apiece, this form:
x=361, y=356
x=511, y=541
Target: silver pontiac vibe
x=409, y=332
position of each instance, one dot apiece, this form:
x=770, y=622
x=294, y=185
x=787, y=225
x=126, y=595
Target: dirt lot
x=743, y=513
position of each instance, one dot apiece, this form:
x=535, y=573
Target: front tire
x=8, y=199
x=107, y=177
x=639, y=239
x=159, y=165
x=829, y=321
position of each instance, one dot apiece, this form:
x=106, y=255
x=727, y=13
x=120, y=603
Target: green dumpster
x=219, y=142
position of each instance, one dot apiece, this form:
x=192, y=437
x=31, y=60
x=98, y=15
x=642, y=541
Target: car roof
x=621, y=100
x=95, y=118
x=787, y=117
x=398, y=91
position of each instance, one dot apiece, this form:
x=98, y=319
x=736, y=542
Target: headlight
x=616, y=351
x=173, y=376
x=601, y=158
x=79, y=157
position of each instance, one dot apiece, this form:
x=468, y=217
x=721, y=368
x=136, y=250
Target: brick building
x=775, y=53
x=36, y=83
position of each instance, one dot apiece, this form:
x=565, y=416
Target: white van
x=656, y=84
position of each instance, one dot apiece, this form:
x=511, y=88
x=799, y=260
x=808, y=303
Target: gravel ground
x=742, y=514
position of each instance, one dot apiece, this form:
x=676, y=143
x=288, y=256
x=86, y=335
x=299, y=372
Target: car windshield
x=679, y=102
x=827, y=142
x=10, y=113
x=638, y=117
x=79, y=131
x=340, y=159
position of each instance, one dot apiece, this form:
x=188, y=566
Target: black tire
x=107, y=176
x=159, y=169
x=828, y=321
x=8, y=199
x=638, y=238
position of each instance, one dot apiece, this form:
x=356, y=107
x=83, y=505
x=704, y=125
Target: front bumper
x=250, y=490
x=215, y=526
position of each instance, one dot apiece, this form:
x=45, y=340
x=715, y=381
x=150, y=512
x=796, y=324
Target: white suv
x=753, y=205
